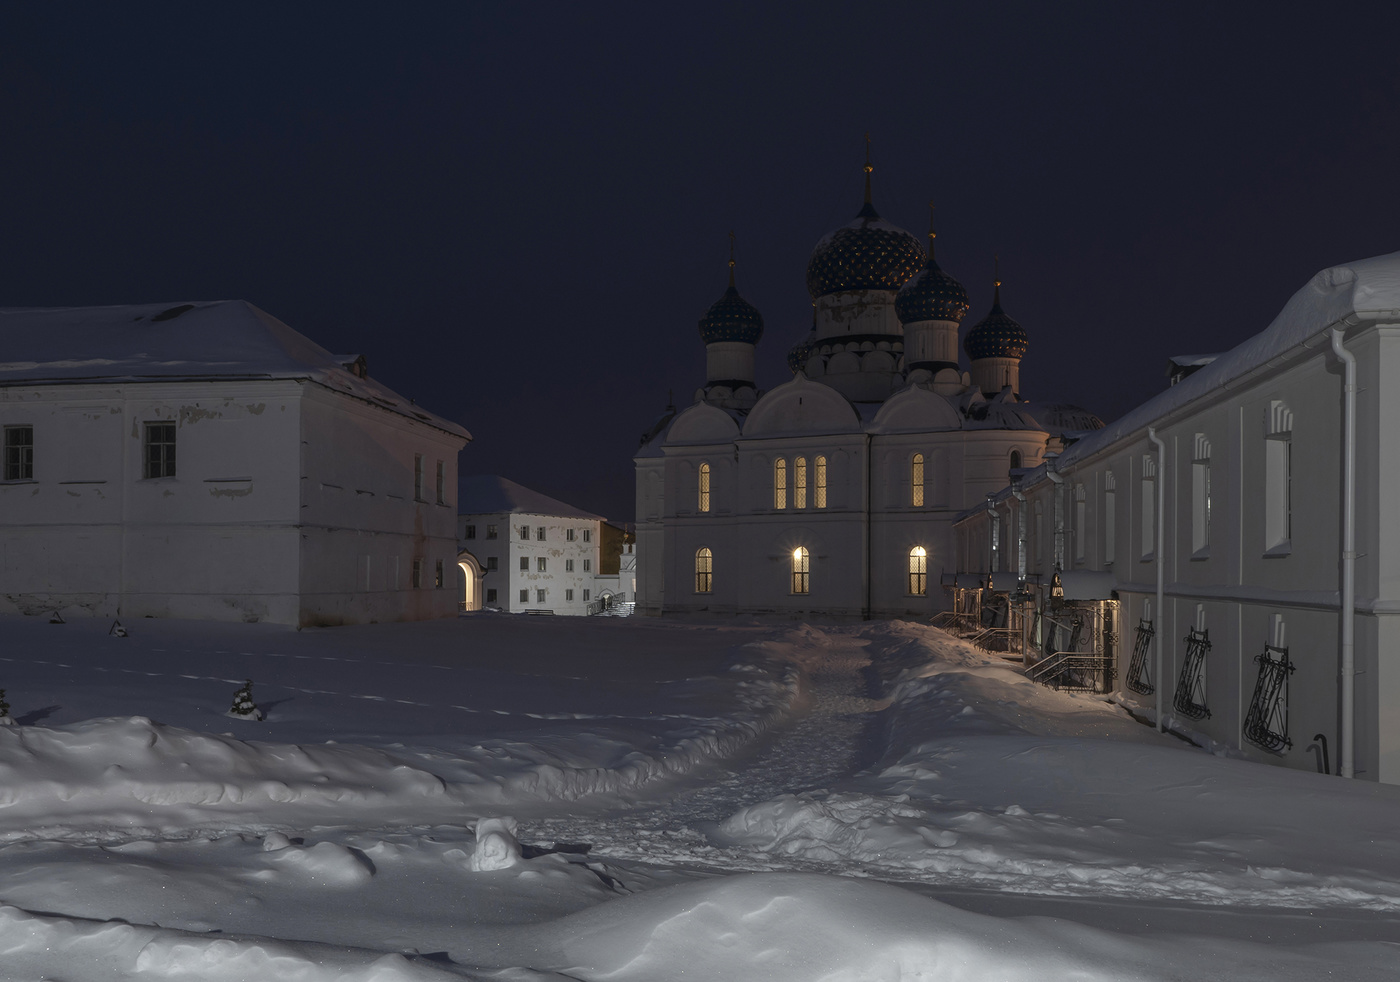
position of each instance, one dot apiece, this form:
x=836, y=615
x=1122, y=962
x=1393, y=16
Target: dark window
x=417, y=573
x=539, y=533
x=437, y=577
x=587, y=565
x=587, y=535
x=524, y=564
x=540, y=564
x=441, y=483
x=539, y=596
x=490, y=562
x=471, y=531
x=19, y=453
x=418, y=477
x=490, y=531
x=524, y=596
x=524, y=532
x=490, y=596
x=160, y=450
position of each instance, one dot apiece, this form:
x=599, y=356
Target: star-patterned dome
x=996, y=335
x=867, y=254
x=932, y=295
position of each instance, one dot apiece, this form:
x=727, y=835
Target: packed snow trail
x=827, y=742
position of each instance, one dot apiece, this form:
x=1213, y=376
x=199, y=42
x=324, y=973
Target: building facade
x=207, y=461
x=1279, y=627
x=835, y=493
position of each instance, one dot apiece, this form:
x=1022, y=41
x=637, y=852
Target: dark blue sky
x=519, y=213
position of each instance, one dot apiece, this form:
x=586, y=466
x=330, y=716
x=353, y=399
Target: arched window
x=704, y=503
x=704, y=570
x=1278, y=479
x=916, y=481
x=1015, y=459
x=918, y=571
x=780, y=483
x=801, y=568
x=799, y=482
x=1200, y=497
x=819, y=482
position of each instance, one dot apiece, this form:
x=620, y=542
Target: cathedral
x=835, y=493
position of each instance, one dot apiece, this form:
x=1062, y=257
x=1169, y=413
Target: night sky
x=518, y=213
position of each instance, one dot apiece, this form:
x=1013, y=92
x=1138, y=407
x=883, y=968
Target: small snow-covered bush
x=243, y=705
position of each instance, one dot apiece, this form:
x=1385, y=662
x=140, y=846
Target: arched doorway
x=469, y=597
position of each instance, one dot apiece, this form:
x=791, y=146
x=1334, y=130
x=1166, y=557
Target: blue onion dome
x=932, y=295
x=996, y=335
x=867, y=254
x=731, y=318
x=797, y=354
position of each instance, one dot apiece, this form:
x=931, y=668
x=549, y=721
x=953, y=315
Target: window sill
x=1151, y=557
x=1200, y=555
x=1279, y=551
x=20, y=480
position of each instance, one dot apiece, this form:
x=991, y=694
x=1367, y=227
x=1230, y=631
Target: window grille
x=819, y=488
x=704, y=570
x=801, y=570
x=704, y=502
x=541, y=564
x=524, y=532
x=19, y=453
x=1139, y=674
x=918, y=571
x=799, y=482
x=490, y=531
x=1190, y=697
x=1266, y=723
x=916, y=481
x=779, y=483
x=471, y=531
x=160, y=450
x=539, y=534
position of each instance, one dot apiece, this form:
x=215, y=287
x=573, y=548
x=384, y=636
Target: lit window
x=780, y=483
x=540, y=562
x=916, y=481
x=801, y=568
x=819, y=482
x=418, y=477
x=441, y=483
x=918, y=571
x=19, y=453
x=704, y=568
x=704, y=502
x=799, y=482
x=490, y=531
x=160, y=450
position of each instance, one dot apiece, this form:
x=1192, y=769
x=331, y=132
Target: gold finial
x=996, y=279
x=731, y=257
x=931, y=233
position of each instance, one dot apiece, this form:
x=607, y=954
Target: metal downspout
x=1348, y=611
x=1058, y=479
x=869, y=508
x=993, y=538
x=1161, y=555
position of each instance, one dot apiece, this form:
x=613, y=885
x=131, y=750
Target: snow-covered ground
x=661, y=800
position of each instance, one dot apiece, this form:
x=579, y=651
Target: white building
x=1280, y=633
x=524, y=551
x=835, y=493
x=206, y=461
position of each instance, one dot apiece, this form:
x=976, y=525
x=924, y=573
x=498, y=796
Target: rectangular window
x=524, y=532
x=471, y=531
x=490, y=596
x=539, y=533
x=524, y=564
x=587, y=565
x=539, y=596
x=490, y=531
x=540, y=564
x=160, y=450
x=568, y=596
x=568, y=565
x=418, y=477
x=19, y=453
x=585, y=596
x=1278, y=494
x=524, y=596
x=1110, y=519
x=1149, y=507
x=587, y=535
x=441, y=483
x=569, y=535
x=1081, y=530
x=490, y=562
x=438, y=575
x=417, y=573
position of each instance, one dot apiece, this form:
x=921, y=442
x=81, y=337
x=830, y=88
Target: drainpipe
x=1348, y=611
x=993, y=534
x=1021, y=563
x=1059, y=481
x=869, y=507
x=1161, y=561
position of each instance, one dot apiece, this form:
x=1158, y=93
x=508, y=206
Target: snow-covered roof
x=220, y=339
x=1345, y=295
x=490, y=494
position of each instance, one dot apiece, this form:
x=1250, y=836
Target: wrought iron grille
x=1139, y=675
x=1191, y=687
x=1266, y=723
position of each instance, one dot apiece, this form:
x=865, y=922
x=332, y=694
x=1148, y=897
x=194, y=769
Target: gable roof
x=209, y=340
x=490, y=494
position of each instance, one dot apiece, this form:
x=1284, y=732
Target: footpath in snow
x=146, y=835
